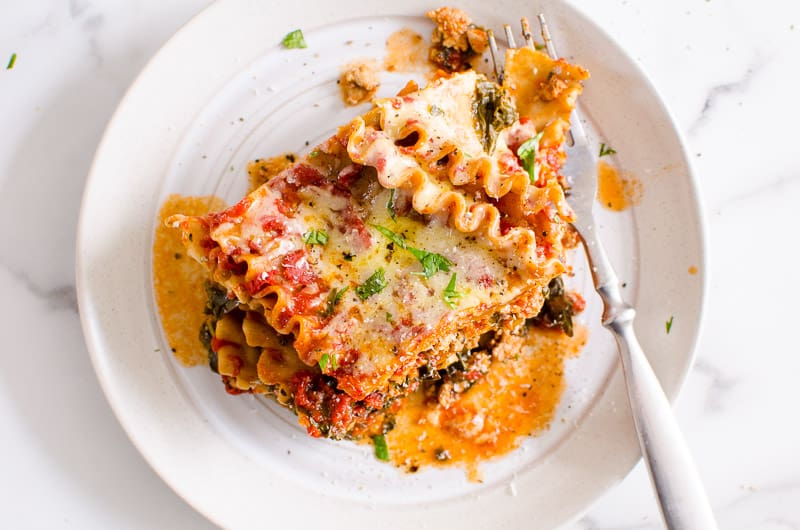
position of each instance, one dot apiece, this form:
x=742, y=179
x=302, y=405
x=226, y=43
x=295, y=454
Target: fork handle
x=681, y=496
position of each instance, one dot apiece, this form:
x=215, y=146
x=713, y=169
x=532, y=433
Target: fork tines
x=549, y=47
x=527, y=35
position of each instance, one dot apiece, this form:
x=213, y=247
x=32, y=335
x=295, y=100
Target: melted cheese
x=478, y=210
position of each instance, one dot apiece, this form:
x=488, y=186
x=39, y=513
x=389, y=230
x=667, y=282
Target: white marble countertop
x=728, y=70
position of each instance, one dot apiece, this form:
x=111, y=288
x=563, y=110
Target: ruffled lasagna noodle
x=394, y=246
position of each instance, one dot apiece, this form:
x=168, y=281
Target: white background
x=728, y=70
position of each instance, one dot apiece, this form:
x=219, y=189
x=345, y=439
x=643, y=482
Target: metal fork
x=681, y=497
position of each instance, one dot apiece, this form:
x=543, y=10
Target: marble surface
x=728, y=72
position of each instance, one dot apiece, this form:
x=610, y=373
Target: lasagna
x=401, y=250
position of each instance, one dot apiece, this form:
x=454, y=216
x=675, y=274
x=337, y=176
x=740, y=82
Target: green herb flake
x=324, y=361
x=334, y=297
x=373, y=285
x=390, y=205
x=397, y=239
x=431, y=261
x=11, y=61
x=313, y=154
x=381, y=449
x=669, y=324
x=294, y=39
x=388, y=317
x=527, y=154
x=315, y=237
x=435, y=110
x=450, y=295
x=607, y=150
x=347, y=256
x=328, y=360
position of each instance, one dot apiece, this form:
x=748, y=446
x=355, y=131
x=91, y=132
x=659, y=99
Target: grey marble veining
x=60, y=297
x=733, y=88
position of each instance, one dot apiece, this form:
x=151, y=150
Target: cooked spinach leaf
x=493, y=111
x=218, y=303
x=558, y=309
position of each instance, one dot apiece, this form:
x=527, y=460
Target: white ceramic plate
x=221, y=93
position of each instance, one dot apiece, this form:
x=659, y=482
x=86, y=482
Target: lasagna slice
x=393, y=247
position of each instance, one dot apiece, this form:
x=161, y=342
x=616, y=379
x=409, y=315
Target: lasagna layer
x=397, y=243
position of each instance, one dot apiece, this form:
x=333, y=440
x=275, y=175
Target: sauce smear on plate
x=178, y=281
x=406, y=51
x=616, y=191
x=516, y=398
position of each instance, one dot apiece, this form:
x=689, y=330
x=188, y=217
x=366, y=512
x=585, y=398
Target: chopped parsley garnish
x=381, y=449
x=294, y=39
x=11, y=61
x=607, y=150
x=390, y=204
x=315, y=237
x=313, y=154
x=334, y=297
x=373, y=285
x=396, y=238
x=327, y=360
x=431, y=261
x=527, y=154
x=347, y=256
x=435, y=110
x=450, y=295
x=669, y=324
x=388, y=317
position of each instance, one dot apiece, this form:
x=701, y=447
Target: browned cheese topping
x=359, y=82
x=455, y=39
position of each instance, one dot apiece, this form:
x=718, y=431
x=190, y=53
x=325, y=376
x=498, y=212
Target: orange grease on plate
x=517, y=398
x=261, y=170
x=406, y=51
x=617, y=191
x=692, y=270
x=178, y=281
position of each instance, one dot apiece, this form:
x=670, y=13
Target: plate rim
x=92, y=335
